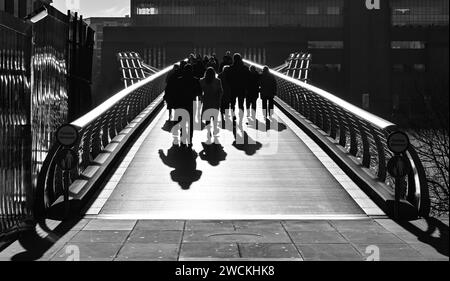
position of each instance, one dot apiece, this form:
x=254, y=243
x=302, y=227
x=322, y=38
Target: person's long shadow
x=269, y=124
x=246, y=143
x=213, y=153
x=169, y=125
x=184, y=160
x=439, y=243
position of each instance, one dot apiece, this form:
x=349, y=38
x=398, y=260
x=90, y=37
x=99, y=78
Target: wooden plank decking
x=279, y=176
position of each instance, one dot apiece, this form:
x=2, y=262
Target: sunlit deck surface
x=279, y=177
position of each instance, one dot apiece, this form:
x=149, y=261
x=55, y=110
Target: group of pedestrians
x=219, y=89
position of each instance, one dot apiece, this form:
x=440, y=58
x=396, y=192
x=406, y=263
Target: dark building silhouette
x=388, y=54
x=98, y=24
x=21, y=8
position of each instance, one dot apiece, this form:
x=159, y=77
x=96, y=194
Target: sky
x=95, y=8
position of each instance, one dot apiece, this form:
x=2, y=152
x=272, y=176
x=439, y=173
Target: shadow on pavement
x=439, y=243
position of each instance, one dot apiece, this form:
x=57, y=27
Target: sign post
x=67, y=159
x=399, y=166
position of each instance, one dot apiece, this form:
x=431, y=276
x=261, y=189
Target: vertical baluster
x=382, y=173
x=365, y=144
x=353, y=141
x=333, y=122
x=342, y=127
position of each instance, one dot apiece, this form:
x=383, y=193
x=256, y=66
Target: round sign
x=398, y=167
x=67, y=159
x=67, y=135
x=398, y=142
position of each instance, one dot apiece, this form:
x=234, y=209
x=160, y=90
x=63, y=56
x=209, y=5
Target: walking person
x=268, y=91
x=253, y=92
x=238, y=78
x=227, y=60
x=212, y=100
x=191, y=89
x=171, y=90
x=225, y=107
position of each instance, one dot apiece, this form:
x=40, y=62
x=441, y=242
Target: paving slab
x=210, y=226
x=243, y=236
x=148, y=252
x=430, y=252
x=100, y=236
x=208, y=251
x=88, y=251
x=110, y=225
x=392, y=252
x=271, y=226
x=269, y=251
x=371, y=238
x=155, y=236
x=360, y=226
x=329, y=252
x=317, y=237
x=308, y=226
x=160, y=225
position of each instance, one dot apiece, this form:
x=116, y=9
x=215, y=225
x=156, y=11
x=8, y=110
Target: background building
x=390, y=55
x=21, y=8
x=98, y=24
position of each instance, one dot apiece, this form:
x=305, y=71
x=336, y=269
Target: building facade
x=358, y=50
x=21, y=8
x=98, y=24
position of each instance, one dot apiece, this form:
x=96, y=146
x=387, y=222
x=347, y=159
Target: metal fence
x=15, y=134
x=45, y=82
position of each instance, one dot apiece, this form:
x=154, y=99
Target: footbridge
x=309, y=183
x=324, y=157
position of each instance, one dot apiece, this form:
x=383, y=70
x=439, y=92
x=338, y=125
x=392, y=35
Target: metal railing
x=15, y=134
x=97, y=129
x=297, y=66
x=42, y=66
x=362, y=135
x=133, y=68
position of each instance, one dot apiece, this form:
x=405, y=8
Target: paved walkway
x=150, y=240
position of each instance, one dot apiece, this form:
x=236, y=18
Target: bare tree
x=431, y=139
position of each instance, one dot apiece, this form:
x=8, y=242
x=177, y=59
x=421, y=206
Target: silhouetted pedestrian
x=216, y=62
x=238, y=78
x=171, y=89
x=226, y=98
x=268, y=91
x=227, y=60
x=211, y=98
x=190, y=90
x=253, y=92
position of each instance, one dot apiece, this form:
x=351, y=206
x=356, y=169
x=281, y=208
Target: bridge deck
x=236, y=182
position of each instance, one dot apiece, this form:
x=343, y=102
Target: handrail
x=360, y=134
x=375, y=120
x=100, y=131
x=108, y=104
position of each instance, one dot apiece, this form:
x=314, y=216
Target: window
x=419, y=12
x=325, y=44
x=408, y=45
x=419, y=67
x=257, y=11
x=312, y=10
x=333, y=10
x=147, y=11
x=398, y=68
